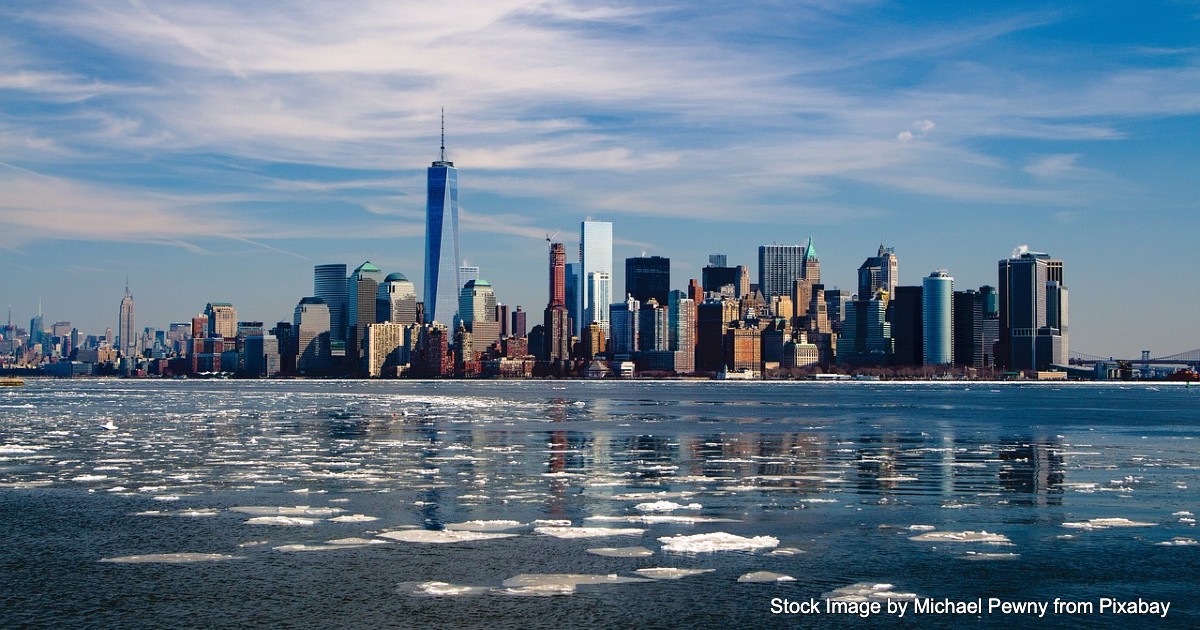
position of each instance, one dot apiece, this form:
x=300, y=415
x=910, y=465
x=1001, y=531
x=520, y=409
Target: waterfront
x=312, y=503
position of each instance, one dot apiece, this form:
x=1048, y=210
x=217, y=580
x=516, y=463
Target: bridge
x=1190, y=358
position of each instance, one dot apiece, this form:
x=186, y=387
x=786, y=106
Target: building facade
x=595, y=272
x=937, y=319
x=442, y=257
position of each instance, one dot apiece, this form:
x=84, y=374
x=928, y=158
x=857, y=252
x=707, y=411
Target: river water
x=561, y=504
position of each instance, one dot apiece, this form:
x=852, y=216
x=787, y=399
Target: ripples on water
x=335, y=503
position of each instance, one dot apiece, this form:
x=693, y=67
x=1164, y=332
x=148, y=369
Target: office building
x=329, y=284
x=595, y=272
x=362, y=288
x=442, y=257
x=222, y=320
x=681, y=322
x=518, y=323
x=1033, y=312
x=937, y=318
x=881, y=271
x=467, y=273
x=648, y=277
x=572, y=285
x=726, y=281
x=866, y=338
x=905, y=312
x=556, y=322
x=127, y=340
x=812, y=264
x=969, y=329
x=311, y=328
x=396, y=301
x=477, y=311
x=386, y=349
x=778, y=267
x=623, y=328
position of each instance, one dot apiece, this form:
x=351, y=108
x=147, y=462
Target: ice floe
x=866, y=591
x=660, y=519
x=974, y=555
x=439, y=589
x=172, y=558
x=485, y=526
x=667, y=573
x=298, y=510
x=716, y=541
x=1105, y=523
x=785, y=551
x=921, y=528
x=765, y=576
x=353, y=518
x=981, y=536
x=526, y=580
x=287, y=521
x=440, y=536
x=1179, y=541
x=588, y=532
x=621, y=552
x=665, y=506
x=551, y=523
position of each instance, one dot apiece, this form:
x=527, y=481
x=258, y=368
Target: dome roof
x=396, y=277
x=478, y=283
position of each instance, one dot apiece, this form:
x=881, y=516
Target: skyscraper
x=311, y=328
x=442, y=259
x=556, y=322
x=572, y=284
x=908, y=330
x=1033, y=312
x=937, y=318
x=519, y=323
x=648, y=277
x=812, y=264
x=477, y=310
x=778, y=267
x=878, y=272
x=362, y=287
x=128, y=339
x=222, y=320
x=329, y=284
x=595, y=257
x=396, y=301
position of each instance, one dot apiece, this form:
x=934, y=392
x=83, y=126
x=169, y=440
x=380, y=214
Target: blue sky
x=217, y=151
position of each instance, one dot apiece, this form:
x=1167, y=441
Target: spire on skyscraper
x=809, y=252
x=443, y=153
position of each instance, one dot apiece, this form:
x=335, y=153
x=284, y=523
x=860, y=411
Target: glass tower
x=595, y=260
x=937, y=318
x=442, y=260
x=329, y=284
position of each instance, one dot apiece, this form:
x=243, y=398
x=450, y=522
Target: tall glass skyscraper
x=442, y=259
x=127, y=342
x=329, y=284
x=937, y=318
x=595, y=257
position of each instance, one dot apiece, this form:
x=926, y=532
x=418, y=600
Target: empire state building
x=442, y=260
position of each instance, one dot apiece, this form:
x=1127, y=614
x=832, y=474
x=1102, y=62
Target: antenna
x=550, y=237
x=443, y=154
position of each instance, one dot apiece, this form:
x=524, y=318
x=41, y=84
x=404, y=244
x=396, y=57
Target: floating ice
x=784, y=551
x=866, y=591
x=665, y=506
x=766, y=576
x=1105, y=523
x=89, y=478
x=921, y=528
x=651, y=496
x=666, y=573
x=981, y=536
x=439, y=589
x=299, y=510
x=526, y=580
x=289, y=521
x=172, y=558
x=659, y=519
x=588, y=532
x=622, y=552
x=485, y=526
x=354, y=518
x=897, y=478
x=440, y=537
x=716, y=541
x=547, y=590
x=551, y=523
x=1179, y=541
x=972, y=555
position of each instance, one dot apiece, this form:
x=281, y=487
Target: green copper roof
x=809, y=252
x=368, y=267
x=478, y=283
x=396, y=277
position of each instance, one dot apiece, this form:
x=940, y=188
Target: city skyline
x=218, y=153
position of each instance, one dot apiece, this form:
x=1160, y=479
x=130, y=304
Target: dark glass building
x=648, y=277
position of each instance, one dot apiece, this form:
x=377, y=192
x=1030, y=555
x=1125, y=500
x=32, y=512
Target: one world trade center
x=441, y=240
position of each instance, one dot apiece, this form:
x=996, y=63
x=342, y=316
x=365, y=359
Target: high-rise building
x=467, y=273
x=653, y=330
x=866, y=338
x=732, y=281
x=937, y=318
x=329, y=284
x=623, y=321
x=595, y=257
x=556, y=321
x=572, y=285
x=648, y=277
x=778, y=267
x=222, y=320
x=969, y=330
x=362, y=287
x=836, y=300
x=1033, y=312
x=477, y=310
x=442, y=257
x=396, y=301
x=519, y=323
x=385, y=348
x=503, y=319
x=712, y=318
x=311, y=328
x=905, y=313
x=718, y=260
x=812, y=264
x=681, y=322
x=127, y=343
x=878, y=272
